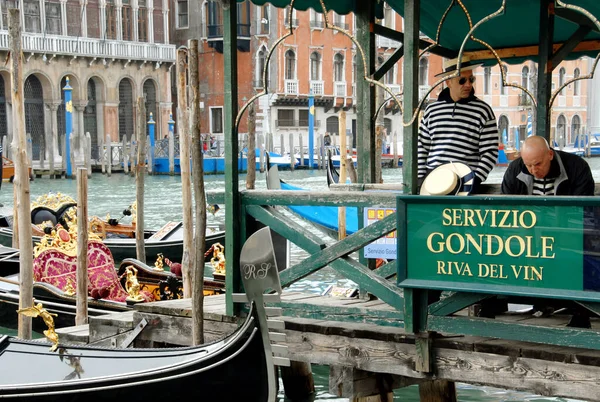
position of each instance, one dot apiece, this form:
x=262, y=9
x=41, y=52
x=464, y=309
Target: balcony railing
x=317, y=87
x=291, y=87
x=386, y=42
x=92, y=47
x=216, y=31
x=340, y=88
x=318, y=24
x=282, y=123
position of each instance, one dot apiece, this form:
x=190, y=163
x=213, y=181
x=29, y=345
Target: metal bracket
x=132, y=335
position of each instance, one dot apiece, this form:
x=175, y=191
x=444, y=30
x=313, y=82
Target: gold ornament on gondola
x=159, y=265
x=38, y=310
x=132, y=286
x=218, y=259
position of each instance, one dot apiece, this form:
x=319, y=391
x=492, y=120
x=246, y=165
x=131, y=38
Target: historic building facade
x=112, y=51
x=323, y=62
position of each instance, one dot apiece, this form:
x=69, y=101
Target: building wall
x=70, y=38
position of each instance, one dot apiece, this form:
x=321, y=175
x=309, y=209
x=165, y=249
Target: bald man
x=542, y=170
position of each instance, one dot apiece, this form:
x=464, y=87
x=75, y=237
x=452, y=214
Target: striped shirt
x=543, y=186
x=464, y=131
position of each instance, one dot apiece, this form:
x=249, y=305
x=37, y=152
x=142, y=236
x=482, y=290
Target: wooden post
x=72, y=154
x=135, y=144
x=139, y=180
x=150, y=153
x=102, y=155
x=292, y=153
x=184, y=162
x=343, y=161
x=251, y=154
x=395, y=139
x=301, y=145
x=378, y=151
x=125, y=154
x=262, y=158
x=81, y=315
x=282, y=145
x=21, y=181
x=172, y=153
x=199, y=199
x=88, y=153
x=298, y=381
x=108, y=155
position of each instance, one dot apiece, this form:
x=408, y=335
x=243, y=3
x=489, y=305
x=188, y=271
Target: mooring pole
x=21, y=181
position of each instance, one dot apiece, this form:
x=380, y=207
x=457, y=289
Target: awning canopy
x=515, y=32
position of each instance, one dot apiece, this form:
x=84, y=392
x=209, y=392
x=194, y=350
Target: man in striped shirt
x=542, y=170
x=458, y=127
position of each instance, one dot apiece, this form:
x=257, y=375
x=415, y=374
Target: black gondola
x=238, y=367
x=333, y=176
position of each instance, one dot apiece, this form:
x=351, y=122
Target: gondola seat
x=59, y=268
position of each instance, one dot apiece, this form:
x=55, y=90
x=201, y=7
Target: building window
x=32, y=16
x=260, y=67
x=263, y=26
x=338, y=67
x=502, y=79
x=575, y=128
x=111, y=20
x=215, y=20
x=53, y=19
x=487, y=78
x=303, y=117
x=285, y=117
x=388, y=16
x=286, y=17
x=389, y=76
x=316, y=19
x=142, y=21
x=561, y=78
x=216, y=120
x=423, y=71
x=6, y=4
x=290, y=65
x=338, y=20
x=525, y=77
x=182, y=14
x=576, y=74
x=315, y=66
x=127, y=19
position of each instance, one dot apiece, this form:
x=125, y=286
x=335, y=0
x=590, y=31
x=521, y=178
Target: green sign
x=497, y=246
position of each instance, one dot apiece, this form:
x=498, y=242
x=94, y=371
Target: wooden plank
x=328, y=198
x=526, y=51
x=456, y=302
x=177, y=331
x=571, y=337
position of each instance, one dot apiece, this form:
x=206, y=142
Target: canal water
x=163, y=203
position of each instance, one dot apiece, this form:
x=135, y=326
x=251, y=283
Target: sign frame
x=403, y=281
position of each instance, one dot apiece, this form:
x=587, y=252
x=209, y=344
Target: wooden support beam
x=437, y=391
x=356, y=384
x=528, y=51
x=298, y=380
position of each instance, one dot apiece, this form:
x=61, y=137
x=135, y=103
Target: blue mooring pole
x=311, y=129
x=68, y=125
x=171, y=125
x=151, y=127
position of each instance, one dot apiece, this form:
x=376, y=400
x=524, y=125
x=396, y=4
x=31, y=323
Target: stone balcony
x=93, y=48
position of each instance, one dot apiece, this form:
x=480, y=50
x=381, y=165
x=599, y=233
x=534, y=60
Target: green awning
x=517, y=27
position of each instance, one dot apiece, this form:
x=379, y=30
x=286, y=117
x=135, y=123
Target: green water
x=163, y=204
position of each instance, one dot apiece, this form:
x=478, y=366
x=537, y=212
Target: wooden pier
x=366, y=358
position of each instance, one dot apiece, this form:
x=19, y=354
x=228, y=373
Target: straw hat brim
x=453, y=178
x=453, y=71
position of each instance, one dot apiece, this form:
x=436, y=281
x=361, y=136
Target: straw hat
x=451, y=64
x=454, y=178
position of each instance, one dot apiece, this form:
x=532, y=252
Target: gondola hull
x=233, y=369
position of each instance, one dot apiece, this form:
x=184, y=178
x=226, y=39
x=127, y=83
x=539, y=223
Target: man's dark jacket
x=570, y=173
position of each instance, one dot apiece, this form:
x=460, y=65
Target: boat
x=8, y=170
x=44, y=371
x=323, y=217
x=333, y=175
x=53, y=208
x=110, y=289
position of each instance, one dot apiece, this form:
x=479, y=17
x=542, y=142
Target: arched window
x=261, y=59
x=502, y=86
x=525, y=77
x=503, y=129
x=561, y=78
x=338, y=67
x=125, y=109
x=575, y=128
x=423, y=71
x=487, y=80
x=315, y=66
x=290, y=65
x=150, y=102
x=34, y=114
x=333, y=125
x=561, y=127
x=576, y=74
x=90, y=118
